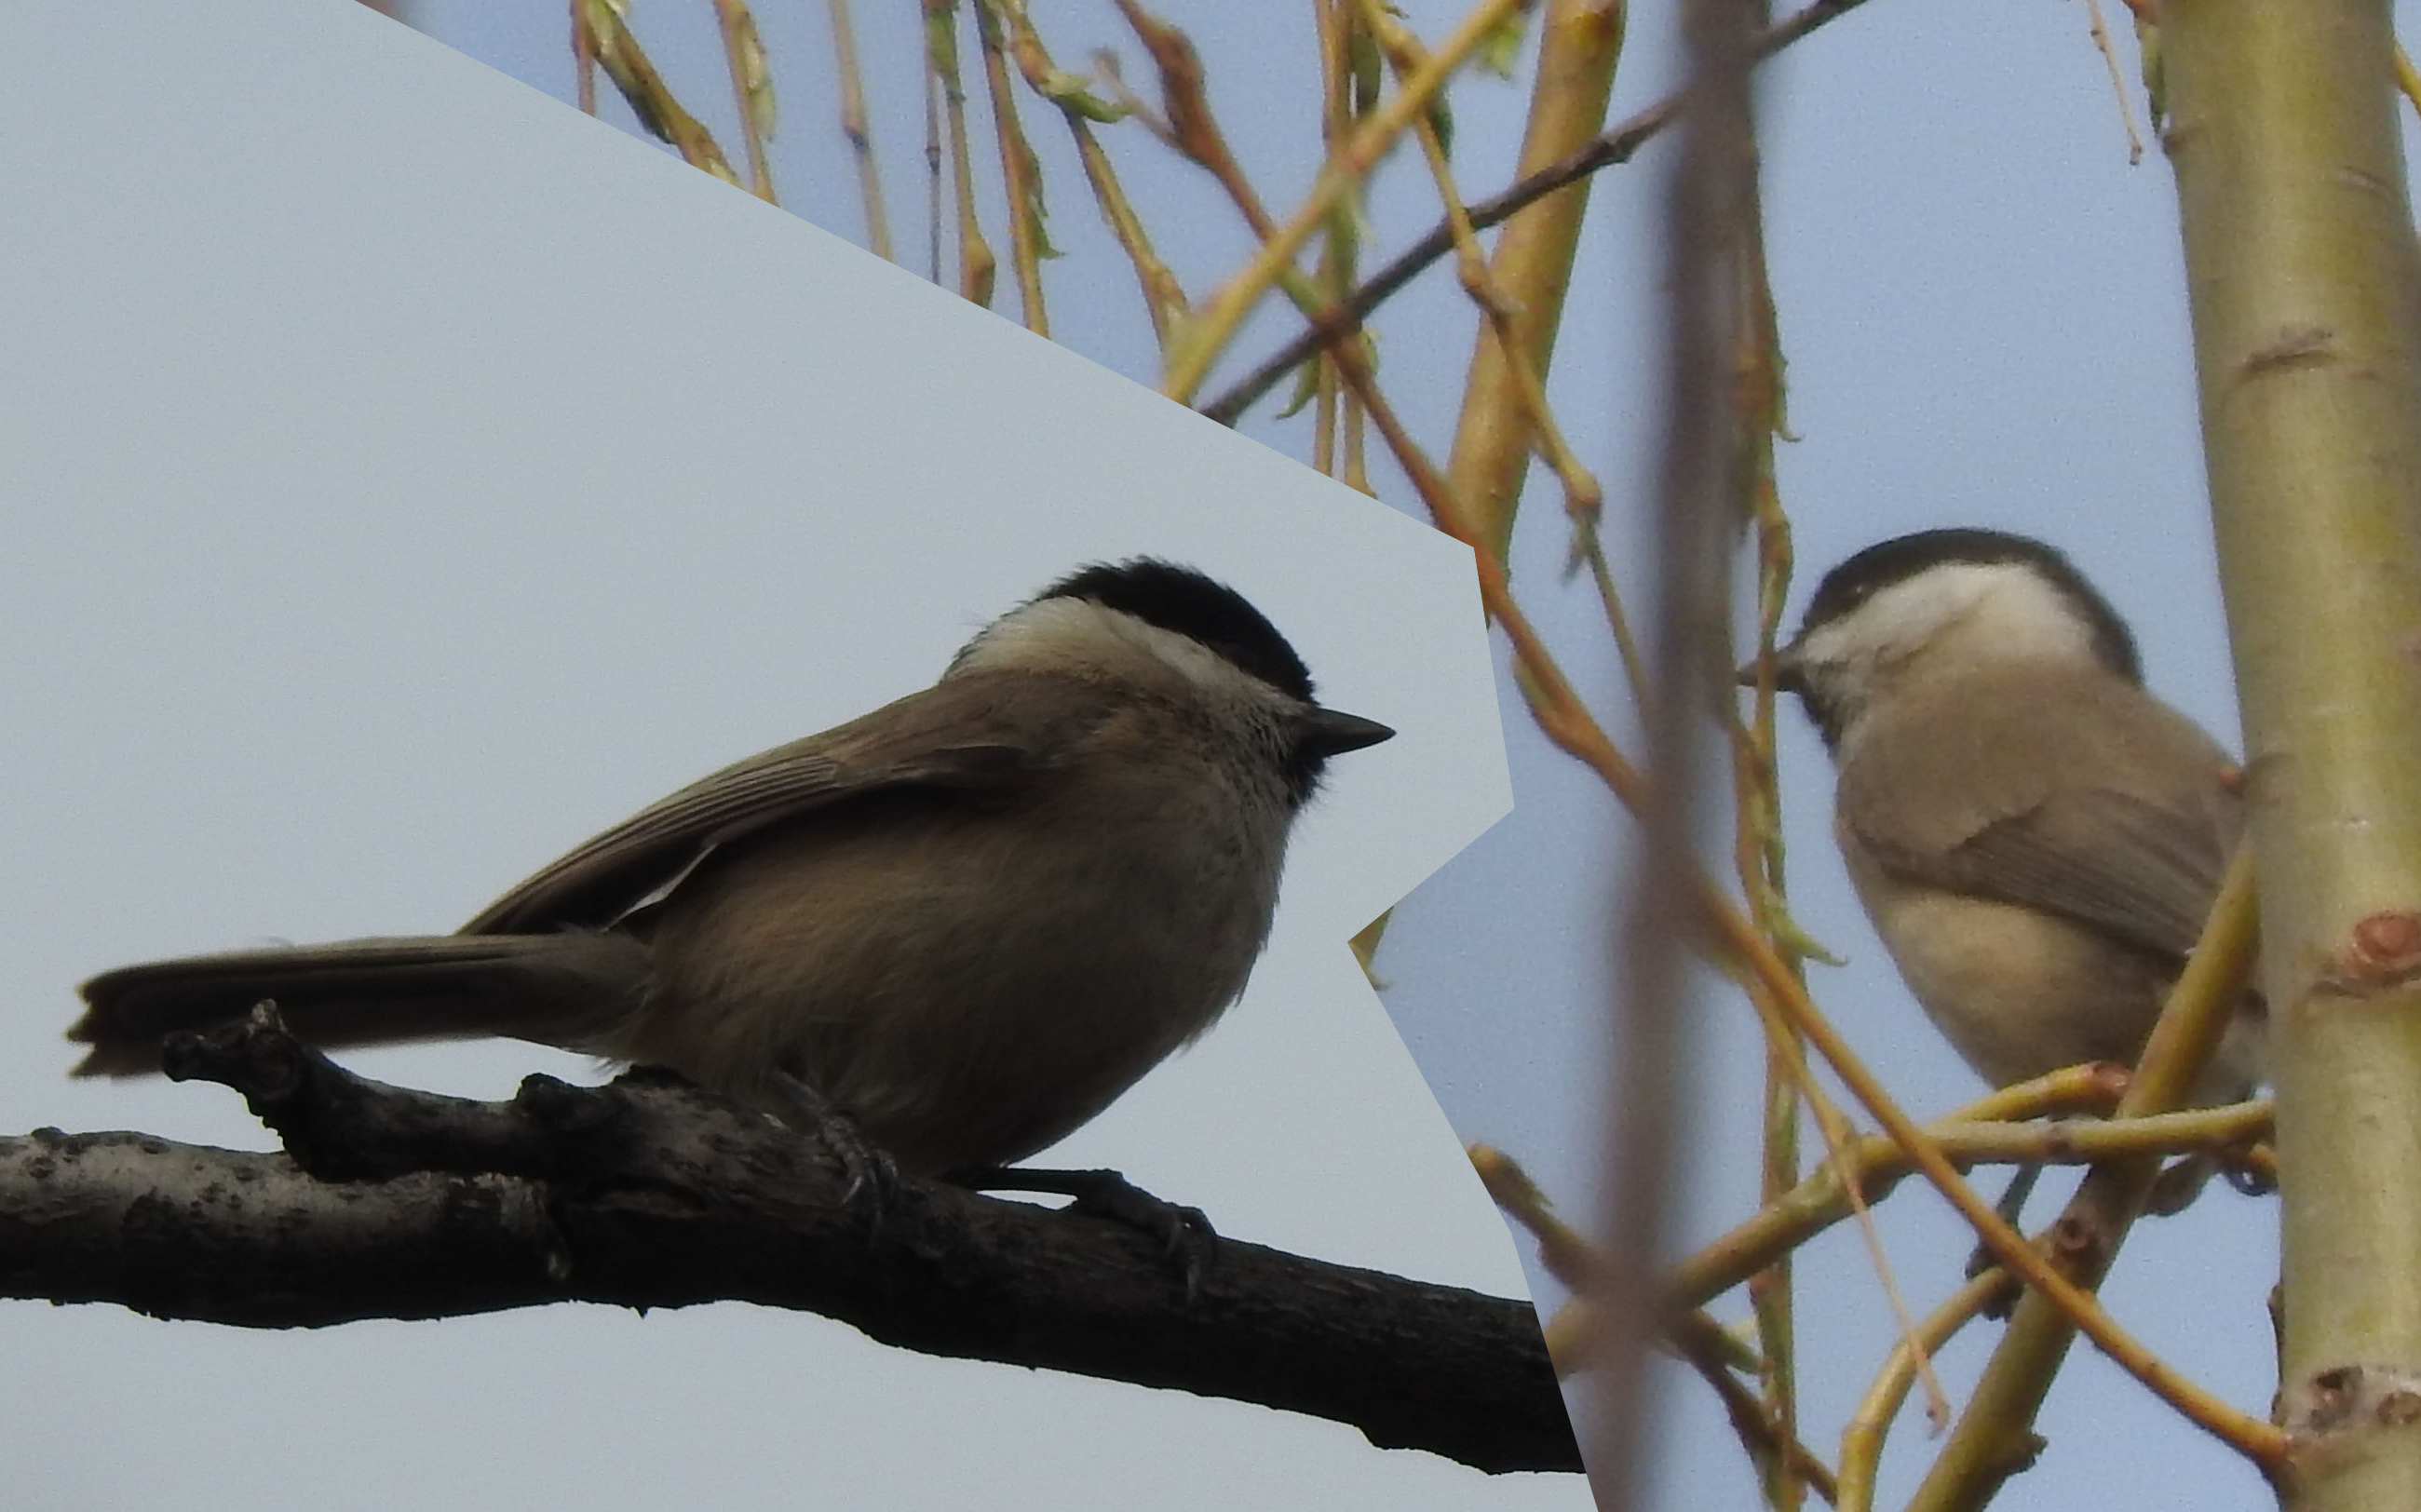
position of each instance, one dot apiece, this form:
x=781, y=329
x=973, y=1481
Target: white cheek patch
x=1039, y=635
x=1994, y=610
x=1058, y=633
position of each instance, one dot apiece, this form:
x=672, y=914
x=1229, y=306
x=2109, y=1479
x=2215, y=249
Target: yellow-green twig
x=856, y=129
x=976, y=264
x=1163, y=297
x=1996, y=1431
x=1583, y=499
x=1020, y=172
x=751, y=90
x=650, y=99
x=1697, y=1339
x=1208, y=333
x=1861, y=1440
x=1615, y=144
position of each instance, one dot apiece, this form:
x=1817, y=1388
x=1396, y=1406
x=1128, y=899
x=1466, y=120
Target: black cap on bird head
x=1849, y=587
x=1187, y=603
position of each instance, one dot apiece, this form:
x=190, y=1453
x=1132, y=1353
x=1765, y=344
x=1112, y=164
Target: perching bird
x=969, y=919
x=2036, y=838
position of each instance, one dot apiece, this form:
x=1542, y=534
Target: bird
x=967, y=921
x=2035, y=837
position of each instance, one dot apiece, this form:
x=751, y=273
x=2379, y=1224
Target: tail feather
x=570, y=990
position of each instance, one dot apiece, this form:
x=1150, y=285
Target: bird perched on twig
x=2036, y=838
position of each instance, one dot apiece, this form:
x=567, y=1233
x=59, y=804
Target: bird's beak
x=1787, y=675
x=1327, y=732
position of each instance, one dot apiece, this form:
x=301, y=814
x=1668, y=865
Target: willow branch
x=1615, y=145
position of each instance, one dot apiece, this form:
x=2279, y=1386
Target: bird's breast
x=2017, y=991
x=971, y=981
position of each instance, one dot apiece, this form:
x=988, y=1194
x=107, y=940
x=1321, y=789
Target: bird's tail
x=569, y=990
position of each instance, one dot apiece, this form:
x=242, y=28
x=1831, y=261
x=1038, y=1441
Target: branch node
x=2347, y=1400
x=255, y=1055
x=2382, y=951
x=2077, y=1244
x=2296, y=347
x=2021, y=1452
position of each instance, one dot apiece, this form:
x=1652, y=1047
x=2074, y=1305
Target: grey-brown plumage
x=2036, y=839
x=970, y=918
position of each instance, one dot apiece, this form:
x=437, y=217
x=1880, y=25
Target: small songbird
x=2036, y=838
x=968, y=920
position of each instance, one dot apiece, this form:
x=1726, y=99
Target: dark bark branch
x=390, y=1202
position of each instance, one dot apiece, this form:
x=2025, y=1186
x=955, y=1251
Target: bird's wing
x=952, y=737
x=2121, y=818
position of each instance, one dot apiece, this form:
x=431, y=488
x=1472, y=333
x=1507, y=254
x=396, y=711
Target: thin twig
x=1816, y=1204
x=1758, y=853
x=1163, y=297
x=1191, y=129
x=584, y=58
x=2118, y=79
x=644, y=89
x=1616, y=144
x=1769, y=1440
x=1691, y=1333
x=976, y=264
x=1584, y=498
x=1020, y=172
x=2408, y=79
x=1338, y=33
x=751, y=90
x=1861, y=1440
x=1339, y=176
x=853, y=126
x=1189, y=126
x=933, y=77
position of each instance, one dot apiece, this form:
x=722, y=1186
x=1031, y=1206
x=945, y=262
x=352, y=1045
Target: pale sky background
x=299, y=567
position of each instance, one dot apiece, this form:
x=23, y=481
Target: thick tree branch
x=391, y=1203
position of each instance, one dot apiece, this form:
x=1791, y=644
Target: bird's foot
x=1187, y=1240
x=2179, y=1184
x=2012, y=1210
x=866, y=1168
x=2246, y=1167
x=2251, y=1169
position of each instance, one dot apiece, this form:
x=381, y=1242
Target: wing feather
x=2102, y=815
x=950, y=737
